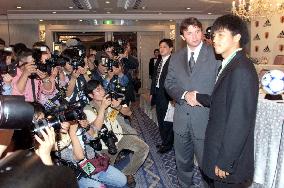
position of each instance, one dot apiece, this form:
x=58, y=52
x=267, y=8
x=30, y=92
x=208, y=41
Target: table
x=269, y=144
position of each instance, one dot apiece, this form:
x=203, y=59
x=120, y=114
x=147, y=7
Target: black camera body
x=118, y=47
x=109, y=138
x=109, y=63
x=115, y=89
x=8, y=69
x=56, y=60
x=70, y=113
x=77, y=62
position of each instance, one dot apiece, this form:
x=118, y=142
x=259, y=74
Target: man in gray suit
x=194, y=66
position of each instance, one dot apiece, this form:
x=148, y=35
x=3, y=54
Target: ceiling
x=120, y=9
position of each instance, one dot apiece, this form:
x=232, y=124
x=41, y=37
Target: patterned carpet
x=158, y=171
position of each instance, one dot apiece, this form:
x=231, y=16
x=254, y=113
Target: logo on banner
x=256, y=48
x=256, y=23
x=281, y=47
x=281, y=35
x=266, y=35
x=267, y=23
x=256, y=37
x=282, y=19
x=266, y=49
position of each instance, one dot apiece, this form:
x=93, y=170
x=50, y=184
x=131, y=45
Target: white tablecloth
x=269, y=144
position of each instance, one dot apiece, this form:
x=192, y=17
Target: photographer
x=24, y=82
x=92, y=57
x=7, y=69
x=105, y=111
x=75, y=70
x=100, y=72
x=80, y=151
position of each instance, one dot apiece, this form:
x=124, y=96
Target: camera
x=69, y=113
x=109, y=138
x=208, y=34
x=56, y=60
x=109, y=63
x=96, y=144
x=8, y=69
x=118, y=47
x=115, y=89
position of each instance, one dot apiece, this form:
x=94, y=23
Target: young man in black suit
x=159, y=96
x=228, y=158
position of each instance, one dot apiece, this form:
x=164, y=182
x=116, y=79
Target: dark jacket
x=229, y=137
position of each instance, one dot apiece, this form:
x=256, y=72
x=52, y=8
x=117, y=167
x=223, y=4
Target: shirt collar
x=165, y=58
x=196, y=51
x=229, y=58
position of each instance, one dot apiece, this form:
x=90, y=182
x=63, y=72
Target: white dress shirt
x=164, y=60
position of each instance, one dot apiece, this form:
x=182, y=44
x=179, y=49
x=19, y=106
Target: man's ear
x=182, y=37
x=91, y=95
x=237, y=38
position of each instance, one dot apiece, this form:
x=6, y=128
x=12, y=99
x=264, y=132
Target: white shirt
x=164, y=60
x=196, y=52
x=195, y=56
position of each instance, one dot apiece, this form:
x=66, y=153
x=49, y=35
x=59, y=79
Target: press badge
x=87, y=166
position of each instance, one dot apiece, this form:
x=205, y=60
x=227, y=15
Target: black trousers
x=219, y=184
x=165, y=128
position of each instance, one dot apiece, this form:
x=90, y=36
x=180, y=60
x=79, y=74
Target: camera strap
x=33, y=89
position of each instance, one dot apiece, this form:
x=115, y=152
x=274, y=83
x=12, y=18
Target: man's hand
x=106, y=102
x=41, y=75
x=64, y=127
x=7, y=78
x=29, y=68
x=115, y=103
x=190, y=98
x=220, y=173
x=46, y=145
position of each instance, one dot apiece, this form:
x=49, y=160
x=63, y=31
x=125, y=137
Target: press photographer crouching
x=104, y=110
x=23, y=168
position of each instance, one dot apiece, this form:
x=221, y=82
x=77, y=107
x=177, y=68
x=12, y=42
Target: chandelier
x=257, y=8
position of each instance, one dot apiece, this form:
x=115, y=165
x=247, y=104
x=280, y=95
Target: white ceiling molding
x=108, y=16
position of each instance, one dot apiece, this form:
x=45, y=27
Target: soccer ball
x=273, y=82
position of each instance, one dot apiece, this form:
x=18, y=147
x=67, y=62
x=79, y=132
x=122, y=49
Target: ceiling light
x=108, y=12
x=188, y=8
x=136, y=20
x=144, y=8
x=170, y=20
x=160, y=13
x=209, y=13
x=53, y=12
x=80, y=20
x=18, y=7
x=107, y=2
x=40, y=20
x=70, y=7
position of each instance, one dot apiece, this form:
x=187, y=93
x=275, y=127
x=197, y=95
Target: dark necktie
x=219, y=69
x=159, y=70
x=191, y=62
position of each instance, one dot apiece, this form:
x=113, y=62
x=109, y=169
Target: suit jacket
x=229, y=141
x=180, y=79
x=160, y=96
x=151, y=68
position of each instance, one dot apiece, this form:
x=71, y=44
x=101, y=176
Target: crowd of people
x=89, y=94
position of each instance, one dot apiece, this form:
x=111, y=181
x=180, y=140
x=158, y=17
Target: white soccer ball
x=273, y=82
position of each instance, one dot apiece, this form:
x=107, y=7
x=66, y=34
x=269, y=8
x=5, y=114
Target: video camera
x=115, y=89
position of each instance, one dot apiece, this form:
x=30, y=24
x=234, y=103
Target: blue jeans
x=112, y=176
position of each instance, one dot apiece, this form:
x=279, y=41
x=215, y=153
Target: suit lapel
x=228, y=69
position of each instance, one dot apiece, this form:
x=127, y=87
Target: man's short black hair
x=93, y=47
x=91, y=85
x=24, y=54
x=156, y=50
x=107, y=45
x=235, y=25
x=169, y=42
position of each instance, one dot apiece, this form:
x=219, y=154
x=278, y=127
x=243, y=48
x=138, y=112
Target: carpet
x=158, y=170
